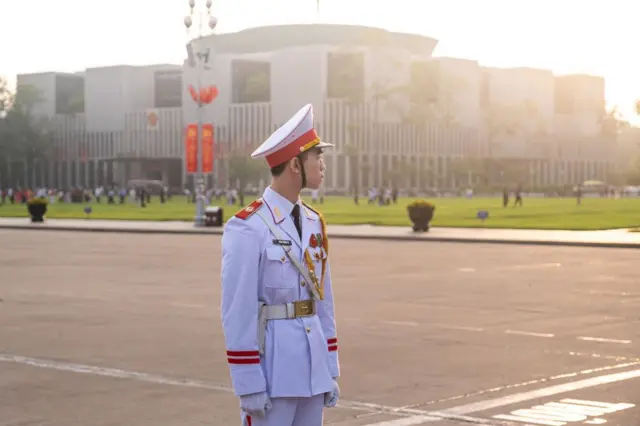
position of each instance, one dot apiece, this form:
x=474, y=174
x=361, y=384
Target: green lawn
x=537, y=213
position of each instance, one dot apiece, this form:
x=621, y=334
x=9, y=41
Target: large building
x=395, y=113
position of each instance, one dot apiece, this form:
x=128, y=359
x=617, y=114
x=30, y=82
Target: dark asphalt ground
x=118, y=329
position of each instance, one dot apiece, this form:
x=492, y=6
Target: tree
x=5, y=97
x=433, y=93
x=517, y=128
x=352, y=152
x=243, y=170
x=613, y=122
x=632, y=174
x=467, y=171
x=23, y=137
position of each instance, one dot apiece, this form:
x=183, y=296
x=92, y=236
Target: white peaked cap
x=294, y=137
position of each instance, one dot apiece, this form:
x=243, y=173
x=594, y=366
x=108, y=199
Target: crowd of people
x=109, y=195
x=140, y=195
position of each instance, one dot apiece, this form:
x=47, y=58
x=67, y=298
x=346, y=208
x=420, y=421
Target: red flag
x=191, y=145
x=207, y=148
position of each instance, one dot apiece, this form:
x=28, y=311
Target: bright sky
x=568, y=36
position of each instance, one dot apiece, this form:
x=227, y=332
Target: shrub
x=37, y=200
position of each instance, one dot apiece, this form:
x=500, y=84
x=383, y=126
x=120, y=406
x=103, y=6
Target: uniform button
x=302, y=283
x=308, y=330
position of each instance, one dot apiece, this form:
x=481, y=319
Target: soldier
x=277, y=299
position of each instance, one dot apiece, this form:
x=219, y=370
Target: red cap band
x=303, y=143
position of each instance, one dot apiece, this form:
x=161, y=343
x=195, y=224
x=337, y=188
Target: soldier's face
x=314, y=168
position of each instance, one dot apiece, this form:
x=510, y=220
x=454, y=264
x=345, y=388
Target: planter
x=421, y=214
x=37, y=210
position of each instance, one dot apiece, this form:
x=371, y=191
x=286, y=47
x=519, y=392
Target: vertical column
x=184, y=173
x=334, y=172
x=35, y=165
x=12, y=178
x=111, y=168
x=380, y=169
x=348, y=173
x=25, y=174
x=165, y=174
x=96, y=173
x=51, y=181
x=449, y=180
x=419, y=164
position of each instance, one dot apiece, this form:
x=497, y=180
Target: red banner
x=191, y=145
x=207, y=148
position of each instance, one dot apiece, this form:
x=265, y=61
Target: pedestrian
x=518, y=200
x=277, y=299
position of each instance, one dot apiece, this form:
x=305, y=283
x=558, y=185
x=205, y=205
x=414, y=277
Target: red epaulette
x=250, y=209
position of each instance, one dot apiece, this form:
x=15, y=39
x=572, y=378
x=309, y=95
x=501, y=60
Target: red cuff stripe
x=243, y=360
x=243, y=353
x=333, y=348
x=332, y=341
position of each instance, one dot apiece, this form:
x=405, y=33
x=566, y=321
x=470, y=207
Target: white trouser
x=290, y=412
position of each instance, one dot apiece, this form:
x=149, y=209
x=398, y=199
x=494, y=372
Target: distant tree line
x=23, y=137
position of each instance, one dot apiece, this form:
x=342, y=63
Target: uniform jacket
x=301, y=355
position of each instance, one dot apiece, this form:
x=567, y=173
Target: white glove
x=331, y=398
x=255, y=404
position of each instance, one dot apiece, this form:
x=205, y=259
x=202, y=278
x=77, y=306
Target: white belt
x=301, y=308
x=297, y=309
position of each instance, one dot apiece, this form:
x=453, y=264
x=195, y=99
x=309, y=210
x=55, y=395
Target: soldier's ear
x=296, y=165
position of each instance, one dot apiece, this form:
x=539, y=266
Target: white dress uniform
x=278, y=321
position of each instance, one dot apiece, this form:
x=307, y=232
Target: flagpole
x=199, y=187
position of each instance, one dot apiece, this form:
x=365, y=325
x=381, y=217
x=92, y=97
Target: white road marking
x=529, y=333
x=540, y=393
x=415, y=416
x=163, y=380
x=529, y=420
x=566, y=411
x=402, y=323
x=448, y=326
x=110, y=372
x=531, y=266
x=607, y=407
x=459, y=327
x=407, y=421
x=603, y=340
x=536, y=381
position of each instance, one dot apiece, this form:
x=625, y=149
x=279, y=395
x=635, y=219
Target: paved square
x=124, y=329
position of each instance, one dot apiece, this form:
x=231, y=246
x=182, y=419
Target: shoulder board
x=311, y=208
x=250, y=209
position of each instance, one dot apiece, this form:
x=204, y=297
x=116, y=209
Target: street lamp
x=199, y=60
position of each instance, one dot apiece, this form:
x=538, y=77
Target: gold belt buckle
x=303, y=308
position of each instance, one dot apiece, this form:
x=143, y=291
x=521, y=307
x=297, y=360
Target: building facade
x=395, y=113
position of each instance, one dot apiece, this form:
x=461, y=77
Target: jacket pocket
x=276, y=269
